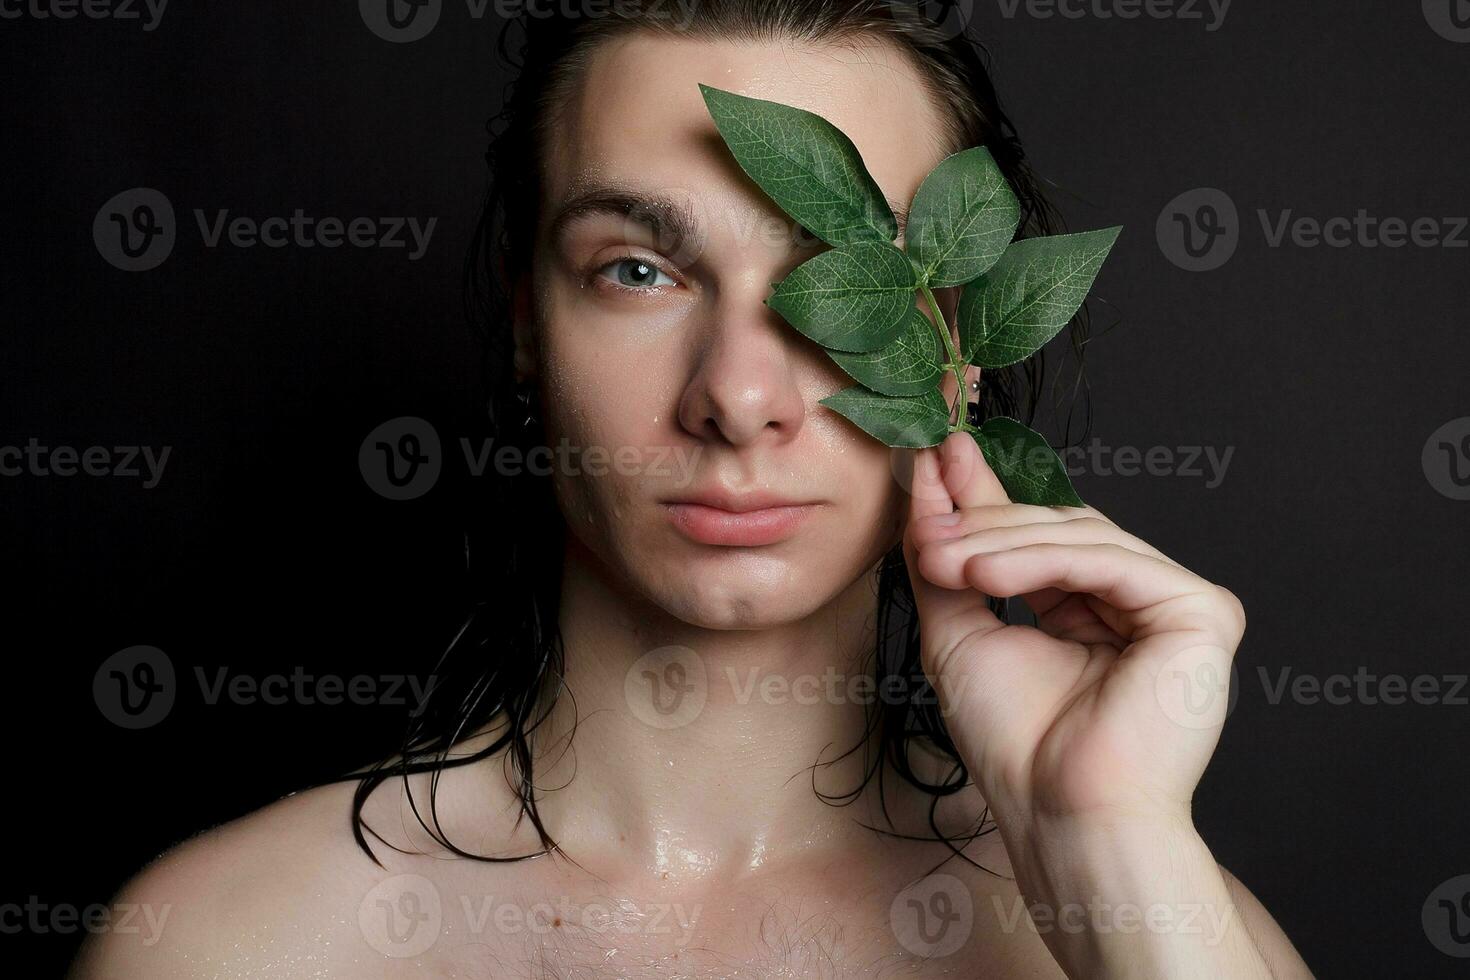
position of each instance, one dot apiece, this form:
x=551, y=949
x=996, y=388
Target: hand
x=1068, y=721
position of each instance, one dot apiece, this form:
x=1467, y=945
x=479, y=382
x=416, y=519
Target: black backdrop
x=1331, y=373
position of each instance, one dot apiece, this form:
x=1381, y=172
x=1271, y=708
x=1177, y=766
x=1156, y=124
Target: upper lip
x=739, y=503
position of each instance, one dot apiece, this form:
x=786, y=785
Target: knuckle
x=1234, y=608
x=985, y=516
x=1089, y=524
x=930, y=563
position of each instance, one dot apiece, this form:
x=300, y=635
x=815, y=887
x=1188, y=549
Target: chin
x=728, y=600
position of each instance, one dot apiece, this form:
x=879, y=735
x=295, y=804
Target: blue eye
x=634, y=273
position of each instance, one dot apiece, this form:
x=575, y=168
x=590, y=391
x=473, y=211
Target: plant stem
x=959, y=423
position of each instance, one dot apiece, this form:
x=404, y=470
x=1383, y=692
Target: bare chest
x=934, y=930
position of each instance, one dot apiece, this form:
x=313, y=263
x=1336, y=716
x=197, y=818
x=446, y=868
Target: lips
x=747, y=520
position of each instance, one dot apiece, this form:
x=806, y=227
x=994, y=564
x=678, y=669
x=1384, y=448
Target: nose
x=744, y=389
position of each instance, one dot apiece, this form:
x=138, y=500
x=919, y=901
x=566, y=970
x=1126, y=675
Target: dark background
x=263, y=549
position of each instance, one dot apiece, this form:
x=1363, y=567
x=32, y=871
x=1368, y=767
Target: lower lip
x=710, y=525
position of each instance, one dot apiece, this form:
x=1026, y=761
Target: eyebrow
x=667, y=218
x=671, y=221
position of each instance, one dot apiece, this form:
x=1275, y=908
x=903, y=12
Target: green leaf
x=910, y=365
x=962, y=219
x=1027, y=466
x=853, y=298
x=910, y=423
x=806, y=165
x=1022, y=302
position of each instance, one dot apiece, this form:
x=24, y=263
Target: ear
x=948, y=300
x=972, y=384
x=522, y=324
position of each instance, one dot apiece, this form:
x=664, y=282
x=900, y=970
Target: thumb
x=946, y=616
x=967, y=474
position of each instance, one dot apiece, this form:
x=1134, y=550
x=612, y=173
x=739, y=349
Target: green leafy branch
x=858, y=299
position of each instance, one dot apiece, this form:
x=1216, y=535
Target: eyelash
x=618, y=287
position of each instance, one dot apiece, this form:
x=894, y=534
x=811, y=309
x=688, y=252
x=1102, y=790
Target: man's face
x=661, y=368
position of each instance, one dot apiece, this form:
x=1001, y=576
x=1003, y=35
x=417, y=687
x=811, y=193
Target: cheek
x=870, y=481
x=610, y=371
x=886, y=474
x=602, y=421
x=586, y=384
x=601, y=410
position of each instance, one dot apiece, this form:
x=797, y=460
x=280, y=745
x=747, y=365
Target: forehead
x=638, y=115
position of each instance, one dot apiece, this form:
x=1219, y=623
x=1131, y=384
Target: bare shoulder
x=264, y=892
x=1281, y=956
x=279, y=891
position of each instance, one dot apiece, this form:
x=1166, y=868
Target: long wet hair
x=503, y=668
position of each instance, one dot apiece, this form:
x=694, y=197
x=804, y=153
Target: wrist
x=1131, y=895
x=1060, y=856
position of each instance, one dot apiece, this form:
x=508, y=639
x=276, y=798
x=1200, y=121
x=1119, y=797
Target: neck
x=699, y=753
